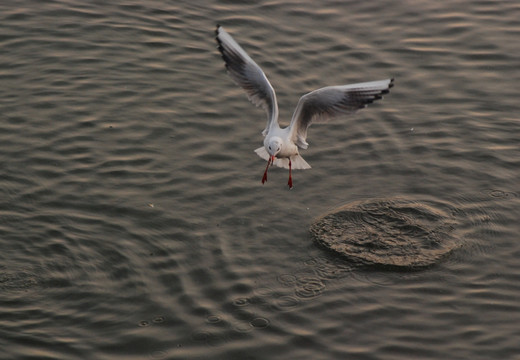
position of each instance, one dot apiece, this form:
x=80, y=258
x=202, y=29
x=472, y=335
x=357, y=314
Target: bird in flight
x=281, y=146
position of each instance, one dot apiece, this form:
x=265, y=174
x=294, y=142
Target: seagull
x=282, y=145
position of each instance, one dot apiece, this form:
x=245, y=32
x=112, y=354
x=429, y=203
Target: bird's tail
x=297, y=162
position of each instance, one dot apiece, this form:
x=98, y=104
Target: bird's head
x=274, y=146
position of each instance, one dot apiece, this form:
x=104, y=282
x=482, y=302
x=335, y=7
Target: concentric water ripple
x=15, y=280
x=389, y=232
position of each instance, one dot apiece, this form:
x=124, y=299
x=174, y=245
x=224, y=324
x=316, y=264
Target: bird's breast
x=288, y=150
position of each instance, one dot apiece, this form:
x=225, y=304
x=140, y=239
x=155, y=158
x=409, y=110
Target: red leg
x=290, y=175
x=264, y=178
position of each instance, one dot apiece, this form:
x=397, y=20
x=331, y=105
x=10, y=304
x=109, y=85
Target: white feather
x=297, y=162
x=317, y=106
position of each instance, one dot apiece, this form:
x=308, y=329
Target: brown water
x=133, y=224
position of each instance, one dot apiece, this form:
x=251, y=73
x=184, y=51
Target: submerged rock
x=394, y=232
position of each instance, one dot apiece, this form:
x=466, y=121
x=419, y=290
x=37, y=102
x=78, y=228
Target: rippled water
x=133, y=224
x=396, y=233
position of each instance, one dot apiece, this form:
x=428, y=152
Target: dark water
x=133, y=224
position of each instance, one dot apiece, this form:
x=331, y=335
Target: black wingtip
x=391, y=83
x=220, y=47
x=219, y=43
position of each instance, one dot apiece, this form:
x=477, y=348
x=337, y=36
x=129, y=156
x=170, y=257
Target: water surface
x=133, y=224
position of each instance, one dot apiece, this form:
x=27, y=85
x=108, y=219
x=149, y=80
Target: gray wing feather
x=248, y=75
x=333, y=101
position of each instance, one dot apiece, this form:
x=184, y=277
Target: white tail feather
x=297, y=162
x=262, y=152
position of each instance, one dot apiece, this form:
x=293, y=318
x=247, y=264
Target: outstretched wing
x=333, y=101
x=248, y=75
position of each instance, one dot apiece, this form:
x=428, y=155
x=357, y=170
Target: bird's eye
x=269, y=148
